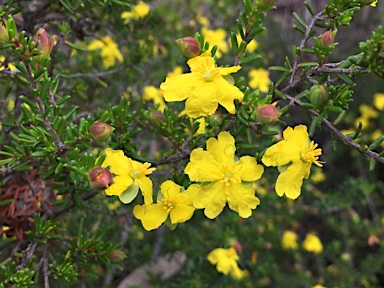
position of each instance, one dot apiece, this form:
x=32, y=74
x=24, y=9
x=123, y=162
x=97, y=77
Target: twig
x=303, y=41
x=46, y=266
x=60, y=146
x=92, y=75
x=338, y=134
x=29, y=252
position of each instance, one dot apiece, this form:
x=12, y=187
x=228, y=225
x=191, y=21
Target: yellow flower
x=374, y=3
x=151, y=93
x=318, y=176
x=216, y=37
x=226, y=262
x=289, y=240
x=318, y=286
x=109, y=51
x=312, y=243
x=259, y=79
x=10, y=65
x=172, y=202
x=224, y=179
x=294, y=156
x=204, y=88
x=176, y=72
x=378, y=101
x=130, y=176
x=138, y=11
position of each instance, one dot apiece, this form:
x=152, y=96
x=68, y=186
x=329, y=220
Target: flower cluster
x=226, y=262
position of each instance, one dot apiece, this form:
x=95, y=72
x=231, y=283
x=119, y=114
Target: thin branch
x=92, y=75
x=318, y=16
x=338, y=134
x=29, y=252
x=60, y=146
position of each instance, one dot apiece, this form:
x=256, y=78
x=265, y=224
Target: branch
x=92, y=75
x=304, y=40
x=338, y=134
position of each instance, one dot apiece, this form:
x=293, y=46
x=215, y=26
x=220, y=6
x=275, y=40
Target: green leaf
x=129, y=194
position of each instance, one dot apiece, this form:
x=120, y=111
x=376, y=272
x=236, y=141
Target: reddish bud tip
x=327, y=38
x=189, y=46
x=101, y=131
x=99, y=178
x=268, y=114
x=45, y=45
x=318, y=95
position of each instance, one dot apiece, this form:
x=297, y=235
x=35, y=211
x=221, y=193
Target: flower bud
x=318, y=95
x=101, y=131
x=156, y=118
x=326, y=38
x=99, y=178
x=117, y=255
x=189, y=46
x=268, y=114
x=236, y=244
x=45, y=45
x=4, y=37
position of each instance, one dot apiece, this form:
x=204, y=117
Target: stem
x=60, y=146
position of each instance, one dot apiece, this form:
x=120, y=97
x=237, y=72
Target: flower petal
x=121, y=183
x=170, y=189
x=202, y=101
x=129, y=194
x=145, y=185
x=203, y=167
x=290, y=181
x=248, y=169
x=179, y=88
x=223, y=149
x=212, y=198
x=151, y=215
x=181, y=213
x=241, y=198
x=119, y=163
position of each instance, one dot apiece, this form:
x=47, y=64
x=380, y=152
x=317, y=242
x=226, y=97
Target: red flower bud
x=45, y=45
x=318, y=95
x=189, y=46
x=326, y=38
x=99, y=178
x=101, y=131
x=268, y=114
x=117, y=255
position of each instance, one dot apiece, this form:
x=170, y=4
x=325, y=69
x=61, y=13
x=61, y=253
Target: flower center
x=168, y=204
x=228, y=177
x=141, y=171
x=311, y=155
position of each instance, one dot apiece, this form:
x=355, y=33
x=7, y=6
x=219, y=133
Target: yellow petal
x=290, y=181
x=180, y=87
x=229, y=70
x=223, y=149
x=212, y=198
x=121, y=183
x=181, y=213
x=187, y=197
x=203, y=167
x=145, y=185
x=248, y=169
x=170, y=189
x=118, y=162
x=241, y=198
x=151, y=215
x=202, y=101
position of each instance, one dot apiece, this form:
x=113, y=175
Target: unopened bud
x=156, y=118
x=4, y=37
x=327, y=38
x=101, y=131
x=318, y=95
x=99, y=178
x=45, y=45
x=268, y=114
x=117, y=255
x=189, y=46
x=236, y=244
